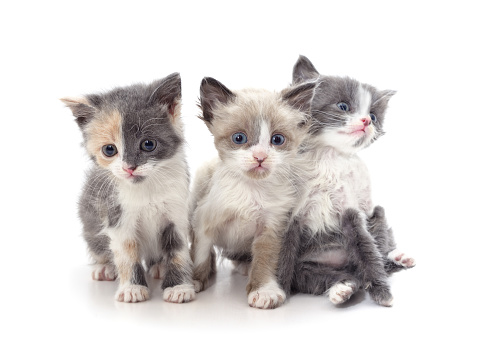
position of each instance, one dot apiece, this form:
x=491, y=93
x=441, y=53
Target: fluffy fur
x=339, y=241
x=134, y=203
x=243, y=200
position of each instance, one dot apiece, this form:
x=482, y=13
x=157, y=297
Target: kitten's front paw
x=341, y=292
x=180, y=293
x=104, y=272
x=401, y=259
x=267, y=297
x=381, y=295
x=132, y=293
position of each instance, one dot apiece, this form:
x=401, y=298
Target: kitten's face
x=131, y=131
x=256, y=131
x=347, y=115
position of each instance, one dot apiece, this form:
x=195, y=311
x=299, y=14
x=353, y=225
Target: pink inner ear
x=172, y=108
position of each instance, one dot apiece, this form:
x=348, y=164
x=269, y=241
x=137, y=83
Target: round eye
x=109, y=150
x=239, y=138
x=278, y=139
x=373, y=117
x=148, y=145
x=343, y=106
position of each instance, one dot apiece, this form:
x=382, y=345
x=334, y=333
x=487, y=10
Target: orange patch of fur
x=104, y=130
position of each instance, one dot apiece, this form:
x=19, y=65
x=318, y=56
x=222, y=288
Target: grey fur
x=136, y=113
x=367, y=243
x=138, y=275
x=172, y=243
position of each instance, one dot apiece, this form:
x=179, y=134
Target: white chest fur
x=237, y=209
x=338, y=182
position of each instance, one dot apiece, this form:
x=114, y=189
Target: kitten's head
x=132, y=130
x=256, y=132
x=347, y=115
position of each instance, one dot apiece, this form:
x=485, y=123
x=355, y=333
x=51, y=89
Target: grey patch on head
x=303, y=70
x=213, y=93
x=332, y=90
x=138, y=275
x=300, y=96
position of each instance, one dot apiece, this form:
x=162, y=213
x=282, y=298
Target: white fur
x=104, y=272
x=132, y=293
x=341, y=292
x=401, y=259
x=179, y=293
x=268, y=296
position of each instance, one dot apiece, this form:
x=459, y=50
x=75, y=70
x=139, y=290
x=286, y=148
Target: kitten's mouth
x=134, y=178
x=258, y=171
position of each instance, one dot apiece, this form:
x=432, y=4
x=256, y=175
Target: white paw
x=104, y=272
x=179, y=293
x=266, y=297
x=157, y=271
x=341, y=292
x=132, y=293
x=401, y=259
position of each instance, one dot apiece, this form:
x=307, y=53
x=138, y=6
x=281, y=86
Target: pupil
x=239, y=138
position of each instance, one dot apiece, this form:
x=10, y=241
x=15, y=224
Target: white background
x=431, y=171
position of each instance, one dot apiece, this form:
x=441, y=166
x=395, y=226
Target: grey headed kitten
x=134, y=202
x=242, y=200
x=340, y=242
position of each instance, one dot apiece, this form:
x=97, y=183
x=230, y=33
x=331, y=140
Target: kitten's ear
x=300, y=96
x=385, y=95
x=82, y=110
x=212, y=93
x=303, y=70
x=168, y=92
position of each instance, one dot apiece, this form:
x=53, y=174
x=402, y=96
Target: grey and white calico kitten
x=242, y=201
x=135, y=200
x=340, y=241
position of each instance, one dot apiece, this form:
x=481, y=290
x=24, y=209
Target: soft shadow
x=354, y=300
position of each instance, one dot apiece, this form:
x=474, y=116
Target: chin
x=256, y=173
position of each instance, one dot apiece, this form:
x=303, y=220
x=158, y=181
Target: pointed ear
x=303, y=70
x=300, y=96
x=213, y=93
x=384, y=96
x=168, y=92
x=82, y=110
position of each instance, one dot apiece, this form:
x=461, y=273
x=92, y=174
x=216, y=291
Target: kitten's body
x=342, y=242
x=134, y=203
x=238, y=207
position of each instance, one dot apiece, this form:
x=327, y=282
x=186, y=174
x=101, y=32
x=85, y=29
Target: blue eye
x=239, y=138
x=148, y=145
x=109, y=150
x=373, y=117
x=343, y=106
x=278, y=139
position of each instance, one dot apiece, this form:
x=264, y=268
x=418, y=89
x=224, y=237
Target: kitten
x=242, y=200
x=340, y=242
x=134, y=203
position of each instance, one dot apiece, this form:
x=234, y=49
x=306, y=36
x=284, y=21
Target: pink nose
x=129, y=170
x=260, y=156
x=366, y=121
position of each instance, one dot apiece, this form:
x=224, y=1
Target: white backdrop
x=431, y=171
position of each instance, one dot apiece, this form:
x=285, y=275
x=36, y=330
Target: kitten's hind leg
x=341, y=291
x=399, y=258
x=379, y=229
x=157, y=269
x=366, y=256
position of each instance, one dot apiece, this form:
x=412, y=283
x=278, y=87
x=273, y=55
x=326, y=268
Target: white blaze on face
x=365, y=100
